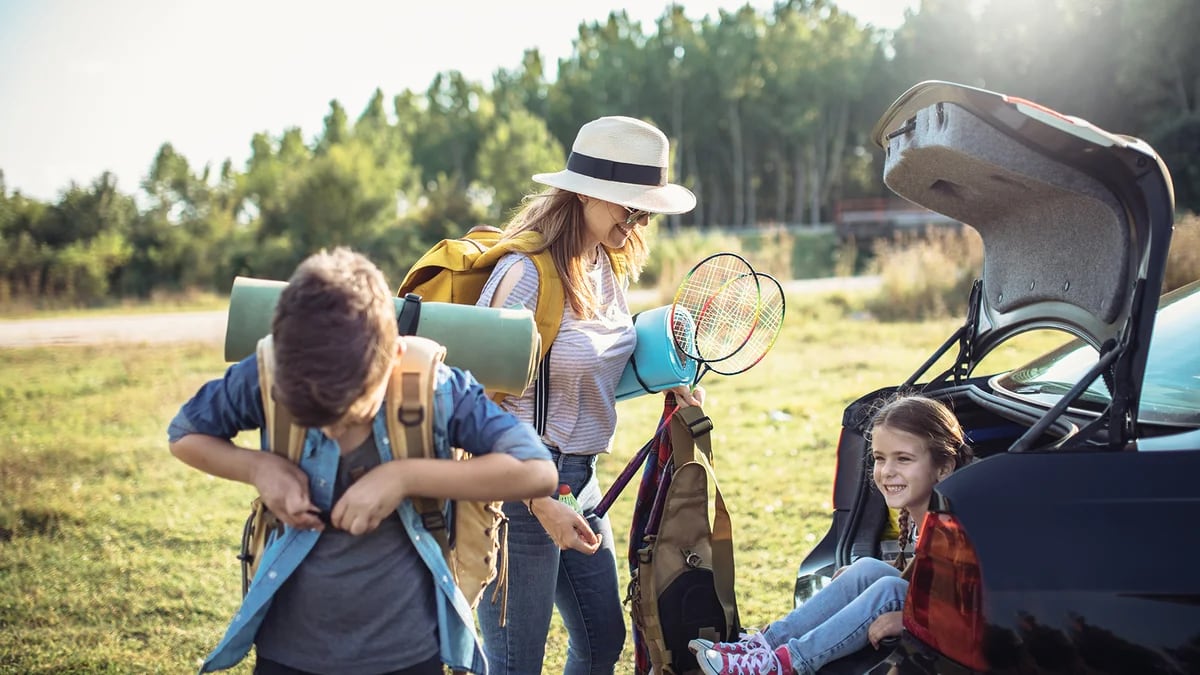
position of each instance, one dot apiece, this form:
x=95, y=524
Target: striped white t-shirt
x=586, y=360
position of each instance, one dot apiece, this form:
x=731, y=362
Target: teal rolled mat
x=499, y=346
x=656, y=365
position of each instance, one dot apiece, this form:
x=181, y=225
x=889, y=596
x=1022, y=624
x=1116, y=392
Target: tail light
x=837, y=468
x=944, y=608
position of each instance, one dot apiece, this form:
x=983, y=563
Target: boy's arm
x=509, y=463
x=494, y=477
x=282, y=485
x=200, y=434
x=489, y=477
x=480, y=427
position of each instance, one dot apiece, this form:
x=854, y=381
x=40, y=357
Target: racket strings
x=727, y=320
x=768, y=322
x=699, y=291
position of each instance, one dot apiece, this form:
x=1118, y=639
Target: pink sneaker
x=757, y=662
x=750, y=642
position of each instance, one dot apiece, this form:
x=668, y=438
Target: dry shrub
x=672, y=256
x=846, y=259
x=926, y=276
x=769, y=250
x=1183, y=258
x=929, y=276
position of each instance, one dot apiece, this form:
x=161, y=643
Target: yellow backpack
x=471, y=542
x=455, y=270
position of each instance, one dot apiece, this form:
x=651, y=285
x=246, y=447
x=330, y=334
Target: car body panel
x=1114, y=590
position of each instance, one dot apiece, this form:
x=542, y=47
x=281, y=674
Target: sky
x=87, y=87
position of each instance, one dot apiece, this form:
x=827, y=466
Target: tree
x=336, y=128
x=733, y=41
x=516, y=148
x=446, y=133
x=85, y=240
x=524, y=88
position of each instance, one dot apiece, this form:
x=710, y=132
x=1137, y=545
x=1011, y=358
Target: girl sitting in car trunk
x=916, y=442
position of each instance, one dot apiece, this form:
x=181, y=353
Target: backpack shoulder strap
x=284, y=437
x=409, y=421
x=692, y=442
x=551, y=299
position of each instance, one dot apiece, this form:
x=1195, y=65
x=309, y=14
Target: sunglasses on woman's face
x=635, y=215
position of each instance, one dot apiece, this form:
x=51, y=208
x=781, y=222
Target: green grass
x=116, y=558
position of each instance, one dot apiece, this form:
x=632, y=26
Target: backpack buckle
x=700, y=427
x=433, y=520
x=410, y=414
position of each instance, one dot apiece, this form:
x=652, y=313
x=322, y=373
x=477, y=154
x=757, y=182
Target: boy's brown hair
x=335, y=338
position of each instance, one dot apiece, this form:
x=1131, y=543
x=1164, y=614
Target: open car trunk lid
x=1075, y=221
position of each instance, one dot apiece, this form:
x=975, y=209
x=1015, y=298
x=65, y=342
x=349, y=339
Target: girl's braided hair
x=933, y=421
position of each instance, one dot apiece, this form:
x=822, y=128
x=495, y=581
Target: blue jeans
x=541, y=577
x=834, y=622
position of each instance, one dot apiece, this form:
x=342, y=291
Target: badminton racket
x=699, y=322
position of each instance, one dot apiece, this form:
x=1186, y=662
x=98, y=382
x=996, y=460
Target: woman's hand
x=566, y=526
x=888, y=624
x=688, y=396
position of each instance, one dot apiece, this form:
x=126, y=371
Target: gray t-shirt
x=356, y=605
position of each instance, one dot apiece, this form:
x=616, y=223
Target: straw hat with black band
x=624, y=161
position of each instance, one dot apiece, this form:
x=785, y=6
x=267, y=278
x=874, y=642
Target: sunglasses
x=635, y=215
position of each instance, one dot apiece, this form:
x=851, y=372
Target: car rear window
x=1171, y=388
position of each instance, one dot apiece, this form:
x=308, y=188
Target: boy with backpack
x=356, y=583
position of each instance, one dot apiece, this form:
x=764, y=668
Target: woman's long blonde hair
x=557, y=215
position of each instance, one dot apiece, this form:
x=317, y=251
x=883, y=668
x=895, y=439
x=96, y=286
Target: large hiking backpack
x=681, y=554
x=470, y=533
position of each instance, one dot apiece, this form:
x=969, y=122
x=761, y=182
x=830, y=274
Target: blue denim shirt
x=463, y=417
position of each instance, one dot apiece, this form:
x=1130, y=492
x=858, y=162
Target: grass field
x=117, y=558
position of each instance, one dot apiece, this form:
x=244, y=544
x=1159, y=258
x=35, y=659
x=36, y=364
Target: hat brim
x=665, y=199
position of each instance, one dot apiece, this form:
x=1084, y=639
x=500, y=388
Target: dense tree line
x=769, y=113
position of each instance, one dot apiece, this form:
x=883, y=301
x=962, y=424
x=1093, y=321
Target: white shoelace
x=755, y=641
x=757, y=662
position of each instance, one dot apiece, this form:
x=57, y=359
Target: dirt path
x=210, y=326
x=132, y=328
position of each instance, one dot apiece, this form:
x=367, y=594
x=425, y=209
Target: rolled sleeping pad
x=499, y=346
x=656, y=364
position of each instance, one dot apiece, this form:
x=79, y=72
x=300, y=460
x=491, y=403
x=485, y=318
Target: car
x=1070, y=544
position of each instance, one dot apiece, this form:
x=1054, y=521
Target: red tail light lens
x=944, y=608
x=837, y=465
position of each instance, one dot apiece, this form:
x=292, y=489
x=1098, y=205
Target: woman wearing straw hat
x=559, y=552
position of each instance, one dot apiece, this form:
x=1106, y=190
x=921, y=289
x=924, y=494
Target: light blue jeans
x=541, y=577
x=834, y=622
